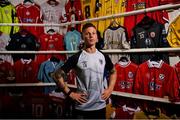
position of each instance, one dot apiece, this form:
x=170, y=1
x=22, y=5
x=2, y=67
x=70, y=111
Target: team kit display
x=148, y=73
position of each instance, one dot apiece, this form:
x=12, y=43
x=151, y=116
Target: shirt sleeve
x=109, y=65
x=71, y=62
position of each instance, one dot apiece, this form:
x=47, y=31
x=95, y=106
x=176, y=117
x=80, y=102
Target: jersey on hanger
x=44, y=73
x=74, y=13
x=173, y=36
x=54, y=14
x=115, y=38
x=4, y=41
x=158, y=79
x=148, y=34
x=30, y=14
x=51, y=42
x=8, y=15
x=72, y=40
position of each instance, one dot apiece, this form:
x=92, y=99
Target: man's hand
x=79, y=97
x=105, y=95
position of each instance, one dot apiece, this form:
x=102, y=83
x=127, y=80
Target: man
x=90, y=66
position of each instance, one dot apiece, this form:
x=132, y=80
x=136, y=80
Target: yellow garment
x=173, y=36
x=6, y=14
x=110, y=7
x=88, y=8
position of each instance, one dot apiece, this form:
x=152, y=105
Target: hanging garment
x=148, y=34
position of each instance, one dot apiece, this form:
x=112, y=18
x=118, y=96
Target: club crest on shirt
x=6, y=11
x=101, y=61
x=122, y=84
x=51, y=46
x=152, y=34
x=29, y=68
x=161, y=76
x=130, y=75
x=27, y=13
x=84, y=64
x=23, y=45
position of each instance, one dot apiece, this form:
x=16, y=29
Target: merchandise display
x=54, y=27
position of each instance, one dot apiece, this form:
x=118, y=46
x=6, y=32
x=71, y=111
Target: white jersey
x=53, y=14
x=4, y=41
x=90, y=70
x=115, y=38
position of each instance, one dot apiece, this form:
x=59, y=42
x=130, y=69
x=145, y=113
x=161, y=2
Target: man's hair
x=87, y=25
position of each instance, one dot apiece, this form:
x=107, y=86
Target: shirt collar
x=155, y=64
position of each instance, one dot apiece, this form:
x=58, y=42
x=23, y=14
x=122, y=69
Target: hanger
x=23, y=32
x=4, y=2
x=30, y=1
x=155, y=112
x=123, y=59
x=73, y=28
x=53, y=2
x=54, y=59
x=114, y=23
x=1, y=59
x=156, y=57
x=51, y=31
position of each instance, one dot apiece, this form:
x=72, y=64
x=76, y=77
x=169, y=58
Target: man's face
x=90, y=36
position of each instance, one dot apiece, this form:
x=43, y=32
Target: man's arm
x=112, y=80
x=59, y=76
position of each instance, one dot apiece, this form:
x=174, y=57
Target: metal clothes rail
x=162, y=7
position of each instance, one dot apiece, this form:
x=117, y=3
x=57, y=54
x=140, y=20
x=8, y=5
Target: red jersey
x=162, y=2
x=30, y=14
x=37, y=104
x=26, y=71
x=74, y=13
x=7, y=73
x=177, y=69
x=125, y=76
x=126, y=72
x=157, y=79
x=51, y=42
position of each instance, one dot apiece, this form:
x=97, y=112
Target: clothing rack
x=117, y=93
x=162, y=7
x=130, y=95
x=112, y=51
